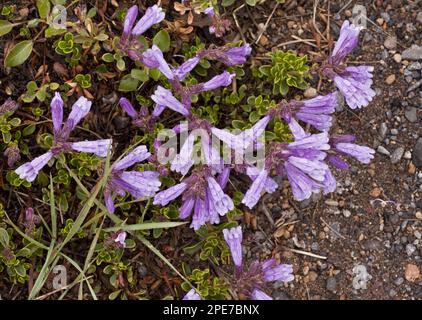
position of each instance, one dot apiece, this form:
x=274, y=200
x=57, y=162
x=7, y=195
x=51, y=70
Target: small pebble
x=347, y=213
x=397, y=57
x=412, y=272
x=391, y=42
x=397, y=155
x=310, y=93
x=407, y=155
x=383, y=151
x=390, y=79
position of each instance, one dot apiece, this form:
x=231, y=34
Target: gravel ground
x=364, y=241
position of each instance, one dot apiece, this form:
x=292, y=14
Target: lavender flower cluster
x=305, y=161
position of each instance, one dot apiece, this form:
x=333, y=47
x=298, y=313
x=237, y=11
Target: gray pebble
x=397, y=155
x=331, y=284
x=383, y=151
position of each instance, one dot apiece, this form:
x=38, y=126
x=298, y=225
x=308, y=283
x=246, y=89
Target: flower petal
x=98, y=147
x=30, y=170
x=136, y=155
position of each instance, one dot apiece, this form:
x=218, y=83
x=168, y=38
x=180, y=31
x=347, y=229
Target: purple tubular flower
x=152, y=16
x=139, y=184
x=237, y=55
x=199, y=217
x=186, y=208
x=158, y=110
x=302, y=185
x=164, y=197
x=270, y=185
x=254, y=193
x=234, y=238
x=329, y=184
x=153, y=58
x=183, y=161
x=192, y=295
x=361, y=153
x=108, y=199
x=222, y=80
x=120, y=239
x=30, y=170
x=348, y=40
x=219, y=200
x=304, y=167
x=260, y=295
x=297, y=131
x=128, y=108
x=98, y=147
x=355, y=85
x=182, y=71
x=57, y=112
x=314, y=169
x=353, y=82
x=211, y=154
x=337, y=162
x=245, y=139
x=223, y=177
x=164, y=97
x=137, y=155
x=316, y=111
x=274, y=272
x=311, y=145
x=209, y=11
x=79, y=111
x=129, y=22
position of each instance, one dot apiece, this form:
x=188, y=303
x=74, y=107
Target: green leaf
x=51, y=32
x=108, y=57
x=121, y=65
x=19, y=53
x=43, y=7
x=92, y=12
x=141, y=75
x=5, y=27
x=226, y=3
x=155, y=74
x=128, y=84
x=4, y=238
x=15, y=122
x=251, y=2
x=146, y=226
x=162, y=40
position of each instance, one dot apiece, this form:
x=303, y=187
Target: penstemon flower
x=300, y=161
x=80, y=109
x=152, y=16
x=353, y=82
x=253, y=280
x=140, y=185
x=234, y=238
x=153, y=58
x=192, y=295
x=209, y=155
x=230, y=56
x=120, y=239
x=343, y=145
x=316, y=112
x=142, y=119
x=202, y=195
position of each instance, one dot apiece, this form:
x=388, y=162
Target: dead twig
x=305, y=253
x=236, y=21
x=266, y=24
x=332, y=229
